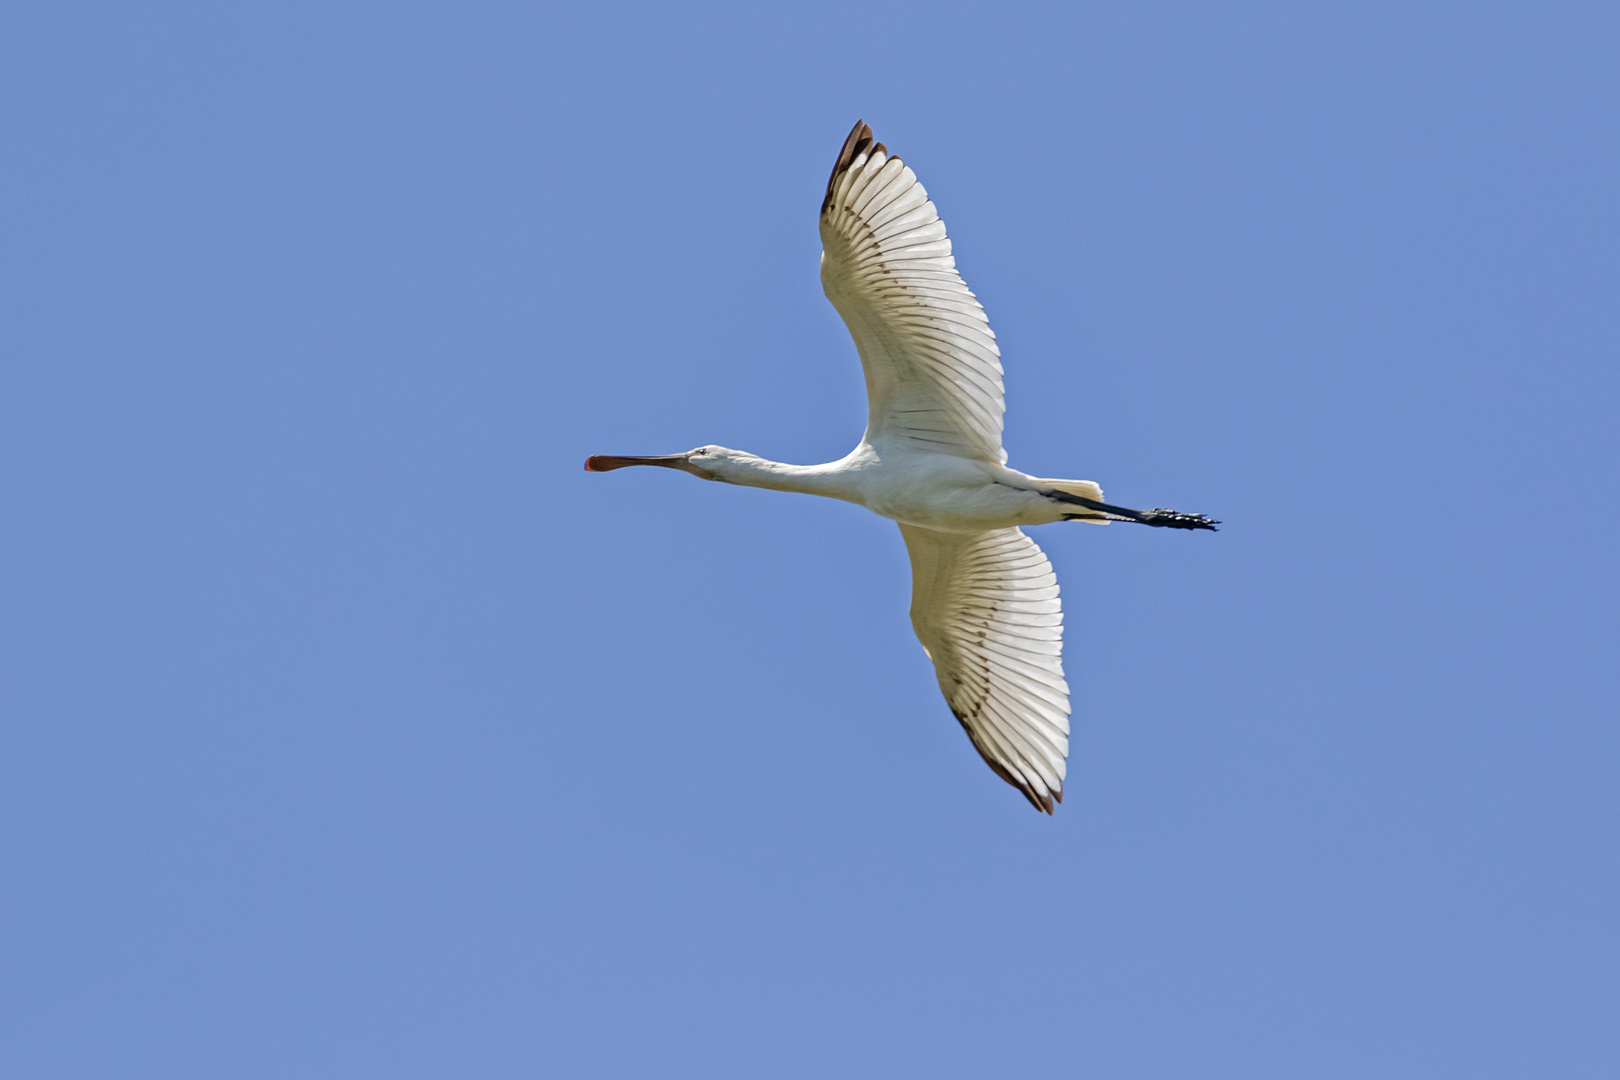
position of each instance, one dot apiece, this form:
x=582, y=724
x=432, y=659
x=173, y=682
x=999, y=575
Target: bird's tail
x=1086, y=489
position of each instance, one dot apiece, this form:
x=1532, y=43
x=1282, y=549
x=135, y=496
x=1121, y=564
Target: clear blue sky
x=351, y=730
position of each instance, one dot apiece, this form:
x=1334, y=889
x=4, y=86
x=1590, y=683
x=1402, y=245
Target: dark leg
x=1157, y=517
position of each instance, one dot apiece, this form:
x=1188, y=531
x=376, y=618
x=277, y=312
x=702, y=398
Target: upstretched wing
x=933, y=372
x=985, y=607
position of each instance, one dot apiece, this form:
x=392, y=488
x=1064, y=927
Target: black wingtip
x=1042, y=803
x=859, y=142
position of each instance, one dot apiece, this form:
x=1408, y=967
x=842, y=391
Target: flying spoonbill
x=984, y=600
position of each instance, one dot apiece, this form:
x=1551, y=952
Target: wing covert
x=933, y=371
x=985, y=607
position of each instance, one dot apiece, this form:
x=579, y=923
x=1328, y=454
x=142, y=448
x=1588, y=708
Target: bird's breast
x=950, y=494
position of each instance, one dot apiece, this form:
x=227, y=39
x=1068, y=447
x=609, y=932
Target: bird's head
x=709, y=462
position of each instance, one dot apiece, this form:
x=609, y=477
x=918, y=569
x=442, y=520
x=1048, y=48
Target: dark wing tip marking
x=859, y=142
x=1042, y=803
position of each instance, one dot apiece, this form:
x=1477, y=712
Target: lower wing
x=985, y=607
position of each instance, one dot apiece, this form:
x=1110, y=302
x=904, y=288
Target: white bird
x=984, y=599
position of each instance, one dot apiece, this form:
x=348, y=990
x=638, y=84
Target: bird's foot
x=1172, y=519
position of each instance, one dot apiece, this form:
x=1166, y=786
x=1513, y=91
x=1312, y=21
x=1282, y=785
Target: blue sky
x=350, y=729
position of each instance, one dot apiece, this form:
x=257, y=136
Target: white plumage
x=985, y=607
x=984, y=598
x=933, y=371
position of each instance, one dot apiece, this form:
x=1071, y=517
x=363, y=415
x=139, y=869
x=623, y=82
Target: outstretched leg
x=1157, y=517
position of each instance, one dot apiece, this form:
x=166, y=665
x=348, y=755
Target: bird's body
x=931, y=491
x=984, y=599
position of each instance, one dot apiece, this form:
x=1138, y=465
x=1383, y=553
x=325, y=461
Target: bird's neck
x=831, y=479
